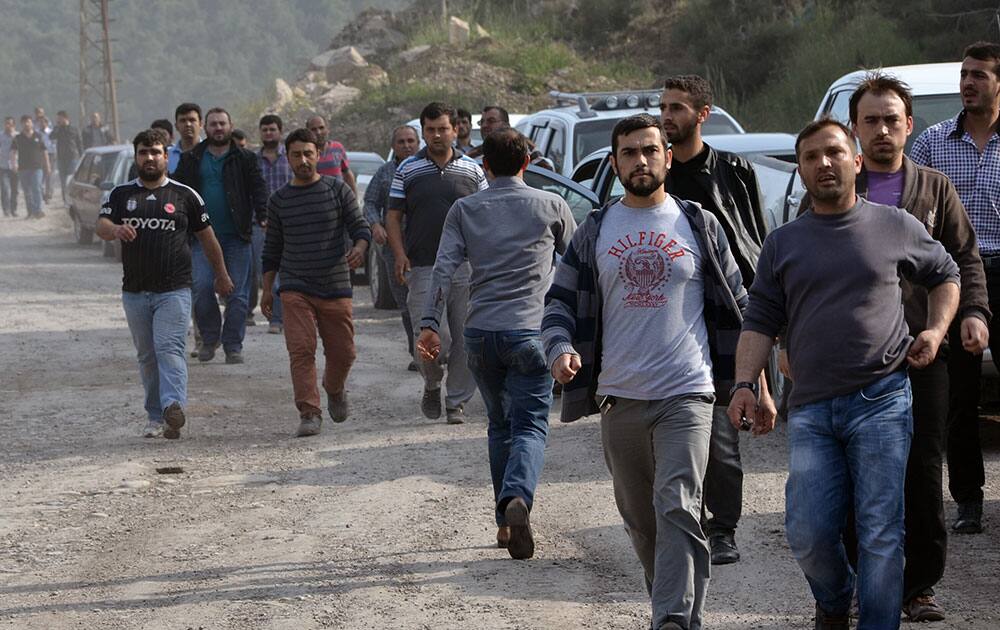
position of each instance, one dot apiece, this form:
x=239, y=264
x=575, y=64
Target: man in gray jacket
x=509, y=233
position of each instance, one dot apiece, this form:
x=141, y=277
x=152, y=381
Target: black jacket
x=242, y=179
x=730, y=182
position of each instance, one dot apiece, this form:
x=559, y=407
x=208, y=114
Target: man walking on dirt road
x=154, y=218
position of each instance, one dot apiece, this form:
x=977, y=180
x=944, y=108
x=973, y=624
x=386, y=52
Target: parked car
x=474, y=134
x=99, y=171
x=580, y=199
x=363, y=165
x=581, y=123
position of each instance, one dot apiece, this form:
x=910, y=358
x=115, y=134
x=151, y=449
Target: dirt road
x=384, y=521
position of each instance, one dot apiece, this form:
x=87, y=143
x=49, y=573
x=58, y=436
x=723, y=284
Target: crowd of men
x=659, y=312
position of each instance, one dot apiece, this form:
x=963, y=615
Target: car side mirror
x=106, y=185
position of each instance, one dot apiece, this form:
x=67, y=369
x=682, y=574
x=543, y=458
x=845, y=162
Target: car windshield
x=592, y=135
x=930, y=110
x=365, y=165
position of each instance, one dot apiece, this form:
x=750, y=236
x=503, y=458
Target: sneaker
x=826, y=621
x=430, y=404
x=206, y=352
x=970, y=518
x=521, y=545
x=234, y=358
x=275, y=329
x=337, y=406
x=724, y=549
x=173, y=416
x=154, y=429
x=309, y=425
x=923, y=608
x=456, y=415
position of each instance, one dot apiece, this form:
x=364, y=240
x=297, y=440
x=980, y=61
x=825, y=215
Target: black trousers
x=926, y=541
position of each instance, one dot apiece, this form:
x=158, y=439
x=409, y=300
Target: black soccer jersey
x=159, y=259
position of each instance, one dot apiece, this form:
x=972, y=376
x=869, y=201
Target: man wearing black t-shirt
x=154, y=217
x=725, y=185
x=32, y=165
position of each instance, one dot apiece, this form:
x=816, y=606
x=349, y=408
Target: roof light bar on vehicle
x=589, y=102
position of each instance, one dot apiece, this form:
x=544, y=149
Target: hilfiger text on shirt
x=646, y=264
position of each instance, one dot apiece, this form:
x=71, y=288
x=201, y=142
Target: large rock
x=339, y=65
x=412, y=54
x=458, y=31
x=338, y=97
x=374, y=32
x=283, y=94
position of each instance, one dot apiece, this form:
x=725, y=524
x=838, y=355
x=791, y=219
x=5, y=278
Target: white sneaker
x=153, y=429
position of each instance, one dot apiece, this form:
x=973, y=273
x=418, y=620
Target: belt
x=991, y=261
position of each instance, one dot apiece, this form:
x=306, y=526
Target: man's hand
x=766, y=414
x=402, y=268
x=975, y=335
x=924, y=348
x=223, y=285
x=565, y=367
x=267, y=304
x=356, y=256
x=428, y=345
x=743, y=405
x=125, y=233
x=378, y=233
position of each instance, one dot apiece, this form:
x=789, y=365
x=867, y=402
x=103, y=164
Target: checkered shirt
x=948, y=148
x=276, y=174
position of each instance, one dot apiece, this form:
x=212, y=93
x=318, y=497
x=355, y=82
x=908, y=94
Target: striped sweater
x=305, y=240
x=572, y=321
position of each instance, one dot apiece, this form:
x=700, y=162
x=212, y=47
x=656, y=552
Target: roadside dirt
x=384, y=521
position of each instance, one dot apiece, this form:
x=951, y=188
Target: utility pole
x=98, y=91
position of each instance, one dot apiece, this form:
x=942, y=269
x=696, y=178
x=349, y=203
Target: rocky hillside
x=383, y=67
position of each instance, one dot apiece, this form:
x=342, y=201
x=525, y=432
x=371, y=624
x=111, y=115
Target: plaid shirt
x=277, y=174
x=948, y=148
x=377, y=192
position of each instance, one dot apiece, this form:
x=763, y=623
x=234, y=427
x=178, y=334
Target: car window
x=839, y=106
x=579, y=204
x=102, y=170
x=365, y=166
x=718, y=124
x=557, y=146
x=773, y=179
x=590, y=136
x=82, y=174
x=930, y=110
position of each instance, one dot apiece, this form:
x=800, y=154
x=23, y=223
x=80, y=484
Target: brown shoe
x=923, y=608
x=503, y=536
x=826, y=621
x=173, y=417
x=521, y=545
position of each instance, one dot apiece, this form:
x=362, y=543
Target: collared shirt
x=213, y=192
x=950, y=149
x=276, y=174
x=173, y=156
x=377, y=192
x=424, y=193
x=333, y=160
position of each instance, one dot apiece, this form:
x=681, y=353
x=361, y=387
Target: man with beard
x=154, y=218
x=832, y=280
x=966, y=148
x=463, y=131
x=725, y=185
x=308, y=222
x=405, y=143
x=333, y=156
x=643, y=317
x=228, y=179
x=493, y=118
x=424, y=189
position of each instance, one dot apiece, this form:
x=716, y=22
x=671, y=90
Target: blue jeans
x=31, y=186
x=158, y=323
x=237, y=254
x=257, y=282
x=8, y=191
x=510, y=369
x=851, y=448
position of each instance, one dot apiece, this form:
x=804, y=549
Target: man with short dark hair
x=228, y=179
x=96, y=134
x=831, y=280
x=640, y=324
x=333, y=156
x=724, y=184
x=69, y=147
x=187, y=120
x=493, y=118
x=405, y=142
x=154, y=218
x=308, y=221
x=463, y=131
x=32, y=164
x=276, y=172
x=8, y=168
x=881, y=111
x=424, y=189
x=509, y=233
x=966, y=148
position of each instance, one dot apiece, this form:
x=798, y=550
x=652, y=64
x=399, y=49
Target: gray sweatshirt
x=509, y=233
x=834, y=281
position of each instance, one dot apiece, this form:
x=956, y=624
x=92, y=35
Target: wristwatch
x=753, y=387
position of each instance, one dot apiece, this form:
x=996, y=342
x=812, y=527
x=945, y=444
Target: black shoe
x=173, y=417
x=337, y=406
x=430, y=404
x=970, y=518
x=723, y=545
x=412, y=367
x=206, y=352
x=521, y=545
x=825, y=621
x=233, y=358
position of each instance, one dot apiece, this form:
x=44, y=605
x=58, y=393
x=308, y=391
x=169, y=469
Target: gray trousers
x=723, y=477
x=657, y=452
x=460, y=384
